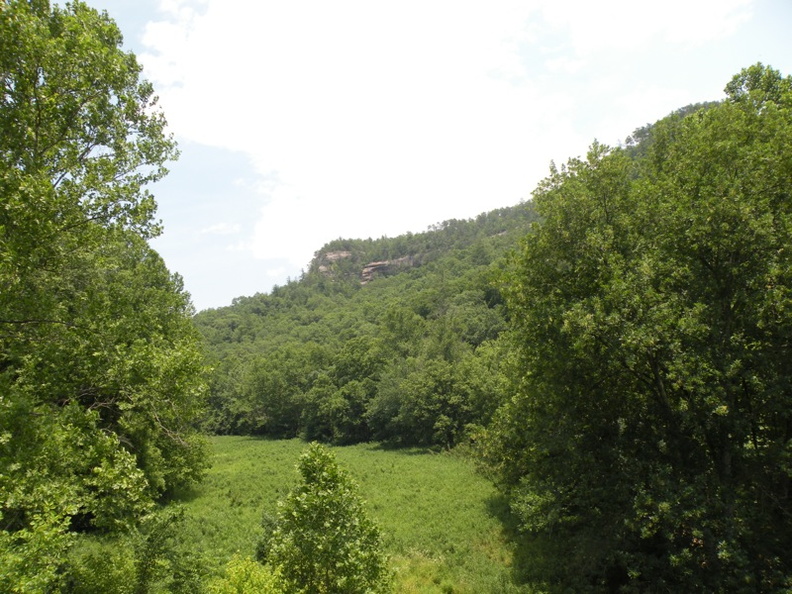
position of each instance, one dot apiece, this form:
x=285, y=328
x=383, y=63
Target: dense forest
x=613, y=354
x=394, y=339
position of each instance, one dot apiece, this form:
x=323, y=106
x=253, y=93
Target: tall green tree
x=322, y=541
x=648, y=447
x=100, y=370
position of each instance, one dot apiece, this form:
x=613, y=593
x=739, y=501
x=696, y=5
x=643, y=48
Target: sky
x=303, y=121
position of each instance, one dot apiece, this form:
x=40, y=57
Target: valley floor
x=440, y=520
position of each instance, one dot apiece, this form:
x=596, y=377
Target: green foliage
x=30, y=557
x=100, y=370
x=440, y=520
x=322, y=540
x=647, y=446
x=324, y=357
x=245, y=575
x=430, y=406
x=147, y=559
x=96, y=568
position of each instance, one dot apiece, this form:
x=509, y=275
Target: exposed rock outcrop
x=383, y=268
x=325, y=260
x=327, y=264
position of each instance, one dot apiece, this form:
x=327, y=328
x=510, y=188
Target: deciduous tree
x=649, y=443
x=100, y=371
x=322, y=541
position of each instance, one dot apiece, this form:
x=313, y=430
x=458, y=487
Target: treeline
x=413, y=356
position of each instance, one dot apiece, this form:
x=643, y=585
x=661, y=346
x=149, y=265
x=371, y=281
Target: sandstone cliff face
x=326, y=260
x=383, y=268
x=325, y=265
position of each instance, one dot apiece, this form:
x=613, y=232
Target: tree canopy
x=100, y=369
x=647, y=447
x=409, y=354
x=322, y=540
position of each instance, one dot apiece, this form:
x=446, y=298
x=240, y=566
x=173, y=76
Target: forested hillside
x=391, y=339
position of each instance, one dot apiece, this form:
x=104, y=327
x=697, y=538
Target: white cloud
x=589, y=27
x=221, y=229
x=367, y=118
x=565, y=64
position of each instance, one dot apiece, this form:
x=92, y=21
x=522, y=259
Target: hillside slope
x=326, y=356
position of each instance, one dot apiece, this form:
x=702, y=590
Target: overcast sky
x=300, y=122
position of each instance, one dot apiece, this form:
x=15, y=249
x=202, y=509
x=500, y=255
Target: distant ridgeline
x=365, y=260
x=394, y=338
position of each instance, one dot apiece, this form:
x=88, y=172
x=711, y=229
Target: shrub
x=245, y=575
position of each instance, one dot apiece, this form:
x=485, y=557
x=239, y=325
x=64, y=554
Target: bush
x=245, y=575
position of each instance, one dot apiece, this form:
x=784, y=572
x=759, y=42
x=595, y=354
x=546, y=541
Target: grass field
x=437, y=516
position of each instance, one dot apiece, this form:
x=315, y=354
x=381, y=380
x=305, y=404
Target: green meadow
x=440, y=520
